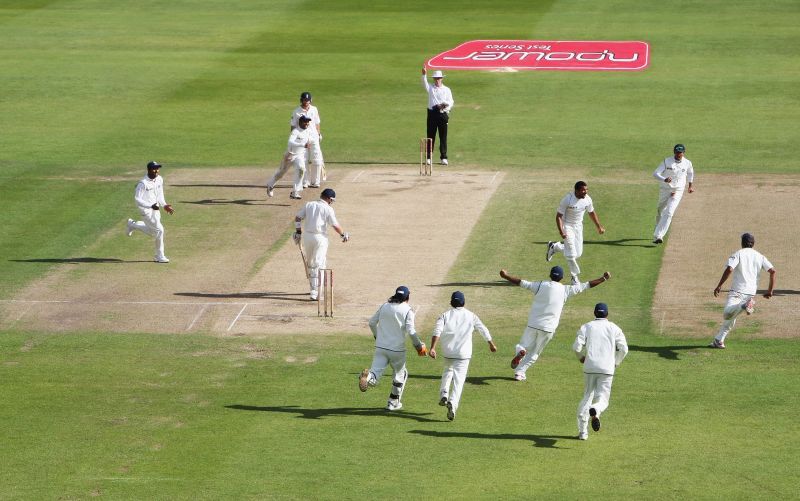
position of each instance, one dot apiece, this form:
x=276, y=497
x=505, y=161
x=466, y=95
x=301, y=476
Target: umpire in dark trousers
x=440, y=102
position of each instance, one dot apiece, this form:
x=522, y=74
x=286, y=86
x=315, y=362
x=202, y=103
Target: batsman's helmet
x=748, y=240
x=328, y=193
x=556, y=273
x=152, y=164
x=679, y=148
x=457, y=300
x=305, y=96
x=601, y=310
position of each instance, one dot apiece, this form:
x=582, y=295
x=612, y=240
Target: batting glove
x=296, y=237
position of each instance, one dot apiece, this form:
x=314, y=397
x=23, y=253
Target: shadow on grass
x=336, y=411
x=496, y=283
x=621, y=242
x=225, y=201
x=476, y=380
x=667, y=352
x=548, y=441
x=76, y=260
x=219, y=185
x=779, y=292
x=369, y=162
x=284, y=296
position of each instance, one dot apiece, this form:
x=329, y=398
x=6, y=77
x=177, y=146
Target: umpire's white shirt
x=550, y=297
x=605, y=346
x=681, y=172
x=454, y=330
x=573, y=208
x=747, y=263
x=149, y=192
x=313, y=113
x=390, y=324
x=316, y=216
x=438, y=95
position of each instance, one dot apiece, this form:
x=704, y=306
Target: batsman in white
x=548, y=302
x=311, y=226
x=454, y=327
x=390, y=325
x=315, y=172
x=600, y=346
x=295, y=156
x=745, y=265
x=149, y=197
x=569, y=222
x=674, y=174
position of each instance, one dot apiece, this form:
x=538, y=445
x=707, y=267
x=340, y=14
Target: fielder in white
x=569, y=222
x=745, y=265
x=600, y=346
x=454, y=327
x=674, y=174
x=315, y=172
x=149, y=197
x=390, y=325
x=544, y=316
x=295, y=156
x=311, y=226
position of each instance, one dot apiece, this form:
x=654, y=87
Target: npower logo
x=544, y=55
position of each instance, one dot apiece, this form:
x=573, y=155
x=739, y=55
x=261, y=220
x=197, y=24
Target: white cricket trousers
x=288, y=161
x=151, y=225
x=733, y=307
x=380, y=361
x=572, y=247
x=668, y=201
x=316, y=165
x=533, y=342
x=453, y=377
x=315, y=246
x=596, y=393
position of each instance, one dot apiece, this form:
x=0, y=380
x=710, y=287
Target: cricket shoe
x=717, y=344
x=658, y=241
x=305, y=185
x=363, y=380
x=270, y=191
x=583, y=436
x=451, y=414
x=315, y=185
x=515, y=361
x=129, y=231
x=750, y=306
x=314, y=295
x=444, y=161
x=551, y=250
x=443, y=401
x=393, y=405
x=295, y=196
x=162, y=259
x=595, y=419
x=518, y=376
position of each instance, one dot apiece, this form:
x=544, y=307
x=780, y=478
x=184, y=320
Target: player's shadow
x=667, y=352
x=622, y=242
x=219, y=185
x=226, y=201
x=303, y=413
x=75, y=260
x=283, y=296
x=368, y=162
x=779, y=292
x=546, y=441
x=495, y=283
x=476, y=380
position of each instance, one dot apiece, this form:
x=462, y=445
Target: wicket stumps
x=425, y=151
x=325, y=296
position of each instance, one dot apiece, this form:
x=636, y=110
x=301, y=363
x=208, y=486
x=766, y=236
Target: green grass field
x=92, y=90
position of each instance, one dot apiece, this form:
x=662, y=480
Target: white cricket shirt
x=438, y=95
x=454, y=330
x=313, y=113
x=149, y=192
x=316, y=216
x=390, y=324
x=747, y=264
x=680, y=172
x=605, y=344
x=574, y=208
x=297, y=141
x=550, y=297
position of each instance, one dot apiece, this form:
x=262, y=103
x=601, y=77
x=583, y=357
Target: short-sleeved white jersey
x=574, y=208
x=297, y=141
x=681, y=172
x=390, y=325
x=149, y=192
x=549, y=300
x=313, y=113
x=747, y=264
x=605, y=344
x=317, y=215
x=454, y=330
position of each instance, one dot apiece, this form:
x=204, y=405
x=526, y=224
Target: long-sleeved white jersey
x=603, y=344
x=548, y=302
x=390, y=325
x=680, y=172
x=454, y=329
x=149, y=192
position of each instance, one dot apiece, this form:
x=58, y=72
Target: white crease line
x=357, y=176
x=197, y=317
x=237, y=317
x=494, y=177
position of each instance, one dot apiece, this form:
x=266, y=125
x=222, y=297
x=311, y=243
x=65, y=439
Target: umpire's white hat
x=437, y=74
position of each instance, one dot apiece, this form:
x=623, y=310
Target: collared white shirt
x=454, y=329
x=297, y=141
x=549, y=300
x=747, y=264
x=317, y=215
x=313, y=113
x=605, y=344
x=149, y=192
x=681, y=173
x=390, y=324
x=438, y=95
x=574, y=208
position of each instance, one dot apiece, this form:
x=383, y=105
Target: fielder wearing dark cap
x=601, y=310
x=674, y=174
x=544, y=316
x=457, y=300
x=149, y=197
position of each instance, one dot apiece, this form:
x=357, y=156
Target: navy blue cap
x=556, y=273
x=328, y=193
x=679, y=148
x=401, y=293
x=152, y=164
x=601, y=310
x=305, y=96
x=457, y=300
x=304, y=118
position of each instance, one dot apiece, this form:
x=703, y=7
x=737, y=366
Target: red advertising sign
x=512, y=55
